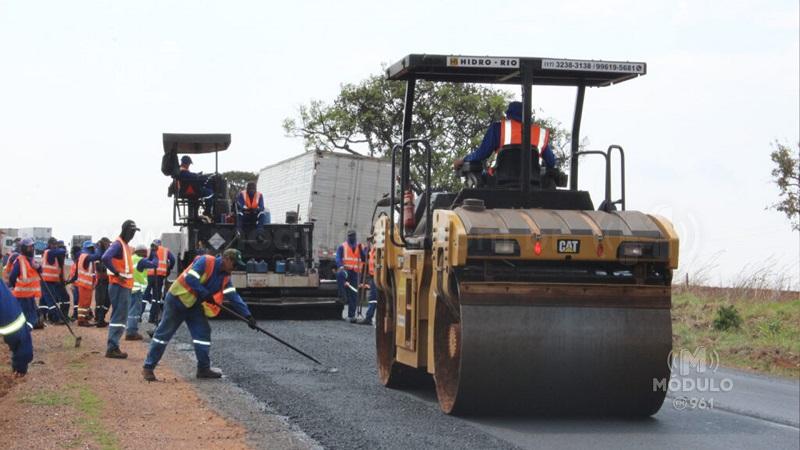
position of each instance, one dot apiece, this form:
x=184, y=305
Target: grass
x=766, y=341
x=47, y=398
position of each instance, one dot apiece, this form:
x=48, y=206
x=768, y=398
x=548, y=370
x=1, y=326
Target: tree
x=367, y=119
x=786, y=175
x=237, y=181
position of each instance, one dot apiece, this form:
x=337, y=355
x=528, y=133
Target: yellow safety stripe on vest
x=14, y=326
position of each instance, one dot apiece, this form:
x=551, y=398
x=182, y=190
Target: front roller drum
x=567, y=351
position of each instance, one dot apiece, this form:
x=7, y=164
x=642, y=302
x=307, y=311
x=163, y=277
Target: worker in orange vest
x=8, y=260
x=349, y=259
x=118, y=260
x=154, y=293
x=84, y=280
x=54, y=293
x=25, y=283
x=250, y=208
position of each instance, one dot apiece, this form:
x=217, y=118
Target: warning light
x=600, y=251
x=537, y=248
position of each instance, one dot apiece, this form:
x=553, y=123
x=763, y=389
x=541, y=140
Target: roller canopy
x=196, y=143
x=506, y=70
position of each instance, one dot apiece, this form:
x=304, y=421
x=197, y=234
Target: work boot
x=84, y=323
x=39, y=325
x=116, y=354
x=148, y=375
x=364, y=322
x=208, y=373
x=101, y=324
x=352, y=319
x=133, y=337
x=151, y=333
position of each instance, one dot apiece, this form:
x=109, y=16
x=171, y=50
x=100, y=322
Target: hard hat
x=26, y=242
x=87, y=245
x=140, y=248
x=156, y=242
x=185, y=159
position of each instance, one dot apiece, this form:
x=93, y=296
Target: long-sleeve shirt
x=491, y=142
x=89, y=260
x=9, y=306
x=240, y=203
x=340, y=253
x=114, y=251
x=54, y=253
x=214, y=284
x=12, y=277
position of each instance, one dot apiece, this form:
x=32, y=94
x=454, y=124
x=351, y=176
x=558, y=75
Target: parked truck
x=334, y=191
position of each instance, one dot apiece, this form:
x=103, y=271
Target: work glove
x=251, y=322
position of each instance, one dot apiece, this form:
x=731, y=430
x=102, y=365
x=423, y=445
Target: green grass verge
x=767, y=341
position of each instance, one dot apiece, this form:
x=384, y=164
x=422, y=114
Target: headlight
x=492, y=247
x=504, y=246
x=644, y=250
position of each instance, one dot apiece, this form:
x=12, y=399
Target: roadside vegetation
x=751, y=326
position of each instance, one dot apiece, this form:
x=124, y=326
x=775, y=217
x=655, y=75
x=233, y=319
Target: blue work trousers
x=21, y=347
x=346, y=293
x=372, y=299
x=74, y=302
x=58, y=299
x=249, y=219
x=154, y=293
x=175, y=313
x=120, y=301
x=134, y=313
x=28, y=306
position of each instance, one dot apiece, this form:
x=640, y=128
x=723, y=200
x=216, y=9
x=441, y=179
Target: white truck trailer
x=334, y=191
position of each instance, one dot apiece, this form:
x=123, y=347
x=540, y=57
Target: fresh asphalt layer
x=350, y=409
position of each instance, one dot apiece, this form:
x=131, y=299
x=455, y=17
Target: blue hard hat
x=27, y=242
x=87, y=245
x=185, y=159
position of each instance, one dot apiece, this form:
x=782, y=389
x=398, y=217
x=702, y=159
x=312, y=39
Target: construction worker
x=15, y=332
x=136, y=306
x=509, y=132
x=9, y=260
x=119, y=263
x=25, y=282
x=372, y=298
x=54, y=293
x=156, y=276
x=195, y=184
x=250, y=208
x=101, y=301
x=74, y=255
x=84, y=280
x=193, y=297
x=349, y=258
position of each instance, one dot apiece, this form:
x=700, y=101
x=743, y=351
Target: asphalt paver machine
x=516, y=293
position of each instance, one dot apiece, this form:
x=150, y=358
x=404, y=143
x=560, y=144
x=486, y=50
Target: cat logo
x=569, y=246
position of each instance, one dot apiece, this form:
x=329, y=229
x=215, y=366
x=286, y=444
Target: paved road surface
x=350, y=409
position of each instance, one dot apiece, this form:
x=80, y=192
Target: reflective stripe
x=14, y=326
x=373, y=301
x=121, y=325
x=25, y=289
x=159, y=341
x=506, y=132
x=193, y=273
x=229, y=290
x=201, y=342
x=29, y=325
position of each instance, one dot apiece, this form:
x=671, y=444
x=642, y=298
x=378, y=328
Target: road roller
x=516, y=293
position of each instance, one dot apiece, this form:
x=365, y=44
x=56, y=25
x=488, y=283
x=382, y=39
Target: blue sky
x=87, y=88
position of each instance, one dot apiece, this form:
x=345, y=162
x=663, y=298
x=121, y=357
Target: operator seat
x=507, y=171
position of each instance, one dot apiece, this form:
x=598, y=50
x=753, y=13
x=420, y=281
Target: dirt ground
x=77, y=398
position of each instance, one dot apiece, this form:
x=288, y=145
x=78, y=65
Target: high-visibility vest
x=251, y=203
x=139, y=276
x=85, y=276
x=371, y=266
x=14, y=326
x=123, y=266
x=28, y=282
x=161, y=270
x=181, y=289
x=351, y=258
x=51, y=273
x=511, y=134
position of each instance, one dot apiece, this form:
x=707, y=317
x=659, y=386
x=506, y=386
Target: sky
x=87, y=88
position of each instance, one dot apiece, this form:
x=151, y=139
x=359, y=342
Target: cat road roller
x=516, y=293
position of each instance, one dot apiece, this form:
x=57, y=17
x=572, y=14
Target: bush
x=727, y=318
